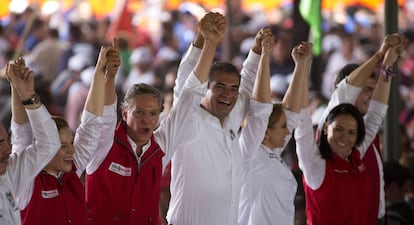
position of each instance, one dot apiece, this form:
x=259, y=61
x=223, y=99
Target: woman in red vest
x=335, y=179
x=56, y=196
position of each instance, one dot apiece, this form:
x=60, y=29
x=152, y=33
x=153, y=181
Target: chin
x=67, y=169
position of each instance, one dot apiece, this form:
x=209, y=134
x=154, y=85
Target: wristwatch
x=34, y=99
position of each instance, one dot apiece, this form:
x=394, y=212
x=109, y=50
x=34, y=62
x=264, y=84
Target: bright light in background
x=18, y=6
x=50, y=7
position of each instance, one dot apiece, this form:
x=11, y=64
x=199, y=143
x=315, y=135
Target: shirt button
x=69, y=221
x=133, y=209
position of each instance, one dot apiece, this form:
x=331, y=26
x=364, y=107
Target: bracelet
x=387, y=72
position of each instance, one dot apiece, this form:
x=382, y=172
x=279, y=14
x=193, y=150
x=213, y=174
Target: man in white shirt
x=19, y=169
x=206, y=167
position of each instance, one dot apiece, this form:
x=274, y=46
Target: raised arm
x=25, y=166
x=112, y=65
x=251, y=63
x=18, y=111
x=92, y=124
x=253, y=134
x=20, y=122
x=382, y=90
x=102, y=90
x=261, y=88
x=187, y=64
x=296, y=96
x=212, y=26
x=379, y=102
x=363, y=72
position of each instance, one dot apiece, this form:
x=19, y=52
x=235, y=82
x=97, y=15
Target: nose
x=227, y=91
x=71, y=149
x=287, y=132
x=145, y=119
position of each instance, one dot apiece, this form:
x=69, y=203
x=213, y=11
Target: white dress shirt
x=24, y=165
x=206, y=167
x=269, y=187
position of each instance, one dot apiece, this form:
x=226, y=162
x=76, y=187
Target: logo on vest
x=119, y=169
x=50, y=194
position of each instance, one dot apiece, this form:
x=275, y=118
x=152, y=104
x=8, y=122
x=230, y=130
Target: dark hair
x=395, y=172
x=276, y=114
x=346, y=70
x=341, y=109
x=222, y=67
x=60, y=122
x=142, y=89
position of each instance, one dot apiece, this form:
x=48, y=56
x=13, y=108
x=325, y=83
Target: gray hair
x=142, y=89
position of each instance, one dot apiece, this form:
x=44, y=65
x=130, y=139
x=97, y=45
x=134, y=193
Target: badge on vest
x=50, y=194
x=121, y=170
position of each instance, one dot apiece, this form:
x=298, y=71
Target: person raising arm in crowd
x=56, y=196
x=206, y=167
x=365, y=76
x=269, y=186
x=19, y=169
x=335, y=179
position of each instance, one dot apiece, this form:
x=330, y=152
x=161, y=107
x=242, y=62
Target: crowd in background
x=62, y=50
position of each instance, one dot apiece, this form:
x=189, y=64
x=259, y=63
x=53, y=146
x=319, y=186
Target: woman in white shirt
x=268, y=185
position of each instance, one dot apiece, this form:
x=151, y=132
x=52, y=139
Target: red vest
x=371, y=164
x=56, y=202
x=342, y=199
x=120, y=192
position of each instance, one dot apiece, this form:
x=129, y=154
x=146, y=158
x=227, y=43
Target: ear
x=266, y=136
x=325, y=129
x=124, y=113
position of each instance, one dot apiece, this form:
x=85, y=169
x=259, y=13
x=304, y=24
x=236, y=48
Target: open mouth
x=145, y=130
x=68, y=160
x=224, y=102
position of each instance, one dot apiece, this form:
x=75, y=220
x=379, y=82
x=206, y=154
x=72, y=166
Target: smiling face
x=5, y=149
x=222, y=94
x=62, y=162
x=141, y=117
x=276, y=134
x=342, y=134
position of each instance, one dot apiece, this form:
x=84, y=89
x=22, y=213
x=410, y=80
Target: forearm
x=18, y=111
x=261, y=89
x=296, y=92
x=364, y=71
x=202, y=68
x=110, y=90
x=95, y=100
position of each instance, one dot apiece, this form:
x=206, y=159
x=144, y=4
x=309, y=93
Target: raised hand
x=264, y=32
x=302, y=53
x=21, y=78
x=113, y=60
x=212, y=26
x=268, y=42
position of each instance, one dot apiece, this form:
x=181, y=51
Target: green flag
x=311, y=13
